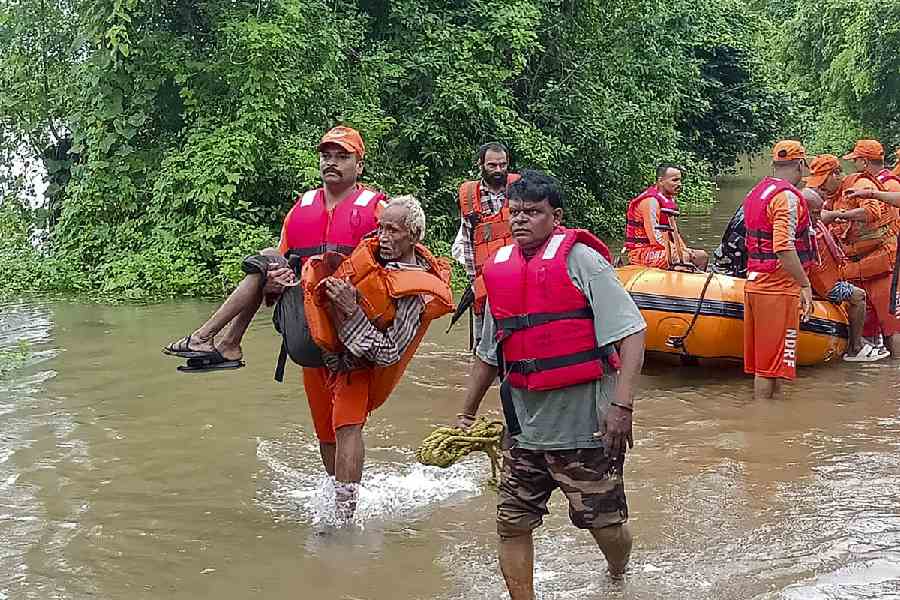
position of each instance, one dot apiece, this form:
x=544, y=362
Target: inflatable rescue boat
x=669, y=299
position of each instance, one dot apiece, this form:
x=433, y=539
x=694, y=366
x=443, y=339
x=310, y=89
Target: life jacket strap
x=760, y=234
x=281, y=362
x=308, y=251
x=511, y=324
x=534, y=365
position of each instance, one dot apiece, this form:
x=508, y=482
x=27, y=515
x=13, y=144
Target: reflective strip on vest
x=308, y=198
x=364, y=198
x=503, y=254
x=552, y=247
x=768, y=191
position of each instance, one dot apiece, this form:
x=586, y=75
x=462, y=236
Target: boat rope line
x=728, y=310
x=677, y=341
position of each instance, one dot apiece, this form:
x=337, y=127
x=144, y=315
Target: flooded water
x=121, y=478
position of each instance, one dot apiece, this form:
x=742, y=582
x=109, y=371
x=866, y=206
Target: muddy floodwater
x=121, y=478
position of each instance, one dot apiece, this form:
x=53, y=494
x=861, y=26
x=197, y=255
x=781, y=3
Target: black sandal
x=214, y=362
x=182, y=349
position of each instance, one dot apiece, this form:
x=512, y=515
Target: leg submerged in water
x=615, y=543
x=517, y=565
x=349, y=455
x=765, y=388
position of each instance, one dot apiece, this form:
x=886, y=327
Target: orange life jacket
x=827, y=269
x=635, y=232
x=859, y=239
x=378, y=287
x=891, y=183
x=489, y=232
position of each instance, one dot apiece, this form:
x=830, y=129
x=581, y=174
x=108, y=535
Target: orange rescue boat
x=669, y=299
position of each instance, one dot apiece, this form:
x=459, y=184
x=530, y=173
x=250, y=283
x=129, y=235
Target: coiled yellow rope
x=446, y=445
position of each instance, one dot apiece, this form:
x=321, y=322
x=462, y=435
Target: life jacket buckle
x=527, y=366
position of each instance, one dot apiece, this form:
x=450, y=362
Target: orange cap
x=870, y=149
x=345, y=137
x=788, y=150
x=820, y=168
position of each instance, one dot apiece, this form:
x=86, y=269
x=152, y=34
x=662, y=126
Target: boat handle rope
x=677, y=341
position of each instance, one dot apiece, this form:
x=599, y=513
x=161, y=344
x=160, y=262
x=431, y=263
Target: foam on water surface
x=298, y=489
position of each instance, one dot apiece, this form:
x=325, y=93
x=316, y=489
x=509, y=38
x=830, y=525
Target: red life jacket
x=309, y=229
x=489, y=232
x=761, y=255
x=545, y=325
x=886, y=175
x=635, y=233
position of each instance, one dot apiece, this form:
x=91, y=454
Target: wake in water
x=297, y=488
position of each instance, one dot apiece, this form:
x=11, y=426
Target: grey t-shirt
x=567, y=418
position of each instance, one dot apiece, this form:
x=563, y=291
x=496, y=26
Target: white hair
x=415, y=216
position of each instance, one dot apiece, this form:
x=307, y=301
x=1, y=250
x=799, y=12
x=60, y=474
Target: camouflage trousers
x=590, y=479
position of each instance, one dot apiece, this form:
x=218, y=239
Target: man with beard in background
x=484, y=217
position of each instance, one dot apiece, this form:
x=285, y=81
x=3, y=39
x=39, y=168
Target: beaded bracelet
x=622, y=406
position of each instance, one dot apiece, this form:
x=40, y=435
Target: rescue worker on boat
x=484, y=220
x=826, y=272
x=568, y=342
x=866, y=229
x=333, y=217
x=651, y=232
x=777, y=293
x=368, y=316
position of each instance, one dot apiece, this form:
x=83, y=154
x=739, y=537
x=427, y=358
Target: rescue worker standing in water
x=484, y=220
x=867, y=230
x=371, y=313
x=777, y=291
x=569, y=342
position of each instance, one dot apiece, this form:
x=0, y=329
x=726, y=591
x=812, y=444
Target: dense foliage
x=176, y=133
x=842, y=66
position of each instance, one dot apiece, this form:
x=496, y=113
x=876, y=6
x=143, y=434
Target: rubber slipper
x=182, y=349
x=867, y=353
x=217, y=362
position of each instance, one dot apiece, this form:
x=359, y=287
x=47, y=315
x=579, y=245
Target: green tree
x=177, y=133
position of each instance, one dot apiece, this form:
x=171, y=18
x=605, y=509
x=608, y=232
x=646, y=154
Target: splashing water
x=390, y=490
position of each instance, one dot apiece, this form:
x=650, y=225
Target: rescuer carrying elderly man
x=355, y=318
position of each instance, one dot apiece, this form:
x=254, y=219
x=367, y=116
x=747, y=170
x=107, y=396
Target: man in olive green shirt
x=574, y=437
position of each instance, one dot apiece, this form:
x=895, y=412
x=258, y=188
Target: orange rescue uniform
x=772, y=301
x=871, y=249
